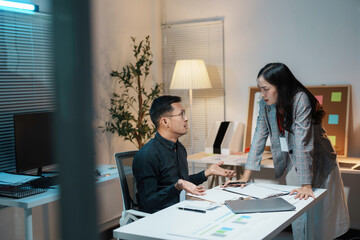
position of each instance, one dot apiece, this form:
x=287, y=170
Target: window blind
x=201, y=40
x=26, y=73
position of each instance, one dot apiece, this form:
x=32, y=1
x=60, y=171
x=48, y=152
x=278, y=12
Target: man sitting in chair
x=160, y=167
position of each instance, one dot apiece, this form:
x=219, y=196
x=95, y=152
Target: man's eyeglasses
x=180, y=114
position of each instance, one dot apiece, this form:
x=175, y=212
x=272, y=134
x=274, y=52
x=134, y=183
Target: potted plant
x=129, y=109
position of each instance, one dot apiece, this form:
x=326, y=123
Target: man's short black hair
x=161, y=106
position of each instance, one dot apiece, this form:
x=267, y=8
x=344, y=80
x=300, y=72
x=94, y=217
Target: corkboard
x=336, y=102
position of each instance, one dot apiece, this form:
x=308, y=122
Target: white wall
x=318, y=40
x=114, y=22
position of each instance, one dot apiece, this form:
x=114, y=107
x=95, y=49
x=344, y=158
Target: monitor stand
x=51, y=177
x=40, y=172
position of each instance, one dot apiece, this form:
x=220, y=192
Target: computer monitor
x=34, y=141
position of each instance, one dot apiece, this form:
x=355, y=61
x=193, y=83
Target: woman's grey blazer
x=310, y=150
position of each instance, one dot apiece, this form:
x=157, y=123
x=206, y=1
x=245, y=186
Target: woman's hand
x=235, y=184
x=304, y=192
x=245, y=178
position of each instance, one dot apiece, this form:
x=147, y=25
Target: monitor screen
x=34, y=142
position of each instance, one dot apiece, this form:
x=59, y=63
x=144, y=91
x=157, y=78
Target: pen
x=277, y=195
x=193, y=210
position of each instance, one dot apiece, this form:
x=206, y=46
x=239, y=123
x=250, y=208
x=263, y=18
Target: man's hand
x=304, y=192
x=215, y=169
x=190, y=187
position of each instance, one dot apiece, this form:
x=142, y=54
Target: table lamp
x=190, y=74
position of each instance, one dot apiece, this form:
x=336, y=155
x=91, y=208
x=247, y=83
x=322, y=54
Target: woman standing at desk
x=291, y=116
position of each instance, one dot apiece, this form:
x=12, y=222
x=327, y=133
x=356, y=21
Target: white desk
x=28, y=203
x=43, y=199
x=349, y=173
x=175, y=224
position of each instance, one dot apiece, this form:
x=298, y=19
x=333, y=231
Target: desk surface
x=219, y=223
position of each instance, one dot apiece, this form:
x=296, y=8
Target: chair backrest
x=128, y=203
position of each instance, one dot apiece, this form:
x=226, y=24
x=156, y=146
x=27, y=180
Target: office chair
x=129, y=212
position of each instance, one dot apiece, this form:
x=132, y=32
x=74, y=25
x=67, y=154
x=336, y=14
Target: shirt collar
x=271, y=107
x=167, y=143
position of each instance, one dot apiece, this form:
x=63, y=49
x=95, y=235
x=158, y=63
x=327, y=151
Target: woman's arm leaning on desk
x=302, y=193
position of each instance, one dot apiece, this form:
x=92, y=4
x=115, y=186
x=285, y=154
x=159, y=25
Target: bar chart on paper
x=227, y=229
x=222, y=225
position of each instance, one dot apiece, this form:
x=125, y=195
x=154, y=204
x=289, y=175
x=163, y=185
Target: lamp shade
x=190, y=74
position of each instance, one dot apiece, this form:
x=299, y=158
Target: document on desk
x=198, y=205
x=255, y=190
x=220, y=223
x=15, y=179
x=217, y=195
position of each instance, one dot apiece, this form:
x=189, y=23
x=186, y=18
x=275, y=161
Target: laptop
x=259, y=205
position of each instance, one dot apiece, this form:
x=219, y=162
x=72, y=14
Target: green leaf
x=124, y=110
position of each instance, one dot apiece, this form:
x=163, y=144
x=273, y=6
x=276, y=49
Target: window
x=201, y=40
x=26, y=73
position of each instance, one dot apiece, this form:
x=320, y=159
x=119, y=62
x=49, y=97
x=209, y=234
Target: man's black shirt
x=157, y=166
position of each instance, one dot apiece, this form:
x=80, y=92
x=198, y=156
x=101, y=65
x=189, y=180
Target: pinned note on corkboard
x=336, y=102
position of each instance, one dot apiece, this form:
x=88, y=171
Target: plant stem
x=140, y=113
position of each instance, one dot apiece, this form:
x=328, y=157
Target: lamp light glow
x=190, y=74
x=17, y=5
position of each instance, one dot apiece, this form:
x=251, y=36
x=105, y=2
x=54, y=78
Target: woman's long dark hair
x=279, y=75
